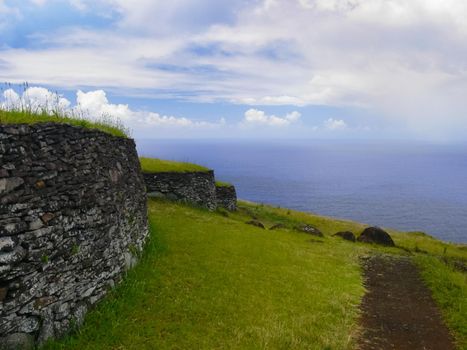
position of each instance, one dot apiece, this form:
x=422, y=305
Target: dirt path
x=398, y=311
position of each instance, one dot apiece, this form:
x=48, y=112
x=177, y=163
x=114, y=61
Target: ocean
x=405, y=186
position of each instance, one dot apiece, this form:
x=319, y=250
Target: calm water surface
x=404, y=186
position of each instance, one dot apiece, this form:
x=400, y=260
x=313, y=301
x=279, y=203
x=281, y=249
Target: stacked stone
x=226, y=197
x=73, y=218
x=197, y=188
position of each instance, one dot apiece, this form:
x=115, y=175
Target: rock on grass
x=256, y=223
x=347, y=235
x=376, y=235
x=309, y=229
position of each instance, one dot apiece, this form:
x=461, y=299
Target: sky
x=331, y=69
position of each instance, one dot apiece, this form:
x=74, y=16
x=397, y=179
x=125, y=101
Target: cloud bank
x=403, y=62
x=94, y=105
x=257, y=117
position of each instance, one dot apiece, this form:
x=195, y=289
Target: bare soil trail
x=398, y=311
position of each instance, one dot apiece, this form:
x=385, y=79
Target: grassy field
x=154, y=165
x=107, y=125
x=210, y=281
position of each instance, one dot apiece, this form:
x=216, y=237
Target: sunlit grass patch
x=211, y=282
x=154, y=165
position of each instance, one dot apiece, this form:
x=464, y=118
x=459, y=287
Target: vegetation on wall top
x=154, y=165
x=18, y=105
x=105, y=124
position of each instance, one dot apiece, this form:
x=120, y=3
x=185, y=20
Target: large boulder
x=311, y=230
x=347, y=235
x=376, y=235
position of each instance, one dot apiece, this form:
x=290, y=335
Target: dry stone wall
x=226, y=197
x=197, y=188
x=73, y=218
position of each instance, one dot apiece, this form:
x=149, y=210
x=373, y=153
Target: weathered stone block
x=9, y=184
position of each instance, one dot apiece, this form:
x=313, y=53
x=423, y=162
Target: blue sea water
x=406, y=186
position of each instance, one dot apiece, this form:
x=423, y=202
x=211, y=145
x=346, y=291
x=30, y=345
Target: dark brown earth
x=398, y=311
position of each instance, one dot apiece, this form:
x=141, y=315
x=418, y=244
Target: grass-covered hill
x=211, y=281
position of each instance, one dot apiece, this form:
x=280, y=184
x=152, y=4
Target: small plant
x=133, y=250
x=74, y=249
x=45, y=259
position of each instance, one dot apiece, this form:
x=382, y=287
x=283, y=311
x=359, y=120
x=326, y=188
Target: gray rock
x=311, y=230
x=29, y=325
x=347, y=235
x=36, y=224
x=17, y=341
x=79, y=314
x=14, y=257
x=6, y=244
x=47, y=330
x=9, y=184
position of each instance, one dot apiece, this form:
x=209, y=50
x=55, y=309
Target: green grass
x=449, y=288
x=153, y=165
x=209, y=281
x=212, y=282
x=106, y=125
x=420, y=242
x=223, y=184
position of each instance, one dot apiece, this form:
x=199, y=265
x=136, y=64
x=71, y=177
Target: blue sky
x=339, y=69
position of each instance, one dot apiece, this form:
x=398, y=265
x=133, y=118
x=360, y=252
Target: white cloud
x=11, y=100
x=335, y=124
x=257, y=117
x=96, y=105
x=163, y=120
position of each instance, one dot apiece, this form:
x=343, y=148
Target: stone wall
x=72, y=219
x=191, y=187
x=226, y=197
